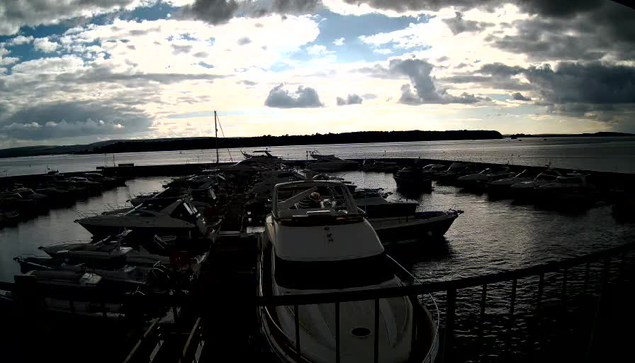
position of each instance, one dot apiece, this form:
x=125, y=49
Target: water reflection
x=57, y=226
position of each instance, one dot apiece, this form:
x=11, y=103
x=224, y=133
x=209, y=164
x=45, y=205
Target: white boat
x=412, y=178
x=177, y=217
x=399, y=223
x=569, y=188
x=454, y=171
x=525, y=189
x=483, y=177
x=331, y=247
x=108, y=252
x=433, y=169
x=503, y=186
x=330, y=163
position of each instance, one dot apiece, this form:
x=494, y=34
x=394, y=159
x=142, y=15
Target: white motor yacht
x=177, y=217
x=526, y=189
x=503, y=186
x=569, y=188
x=399, y=222
x=482, y=178
x=330, y=163
x=326, y=245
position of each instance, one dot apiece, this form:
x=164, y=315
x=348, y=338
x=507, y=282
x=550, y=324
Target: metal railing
x=451, y=289
x=564, y=281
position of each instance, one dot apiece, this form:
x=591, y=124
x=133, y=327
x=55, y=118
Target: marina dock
x=538, y=313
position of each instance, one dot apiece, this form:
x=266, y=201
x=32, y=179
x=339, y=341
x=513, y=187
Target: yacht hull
x=418, y=227
x=398, y=318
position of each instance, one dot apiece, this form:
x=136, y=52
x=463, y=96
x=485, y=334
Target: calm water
x=599, y=153
x=58, y=226
x=491, y=236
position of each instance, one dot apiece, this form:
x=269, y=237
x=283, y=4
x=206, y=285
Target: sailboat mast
x=216, y=133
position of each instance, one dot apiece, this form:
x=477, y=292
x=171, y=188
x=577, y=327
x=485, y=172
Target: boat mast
x=216, y=134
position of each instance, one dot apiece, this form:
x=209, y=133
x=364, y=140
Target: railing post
x=481, y=329
x=598, y=308
x=297, y=331
x=564, y=286
x=337, y=332
x=415, y=328
x=587, y=269
x=510, y=321
x=376, y=348
x=621, y=268
x=448, y=336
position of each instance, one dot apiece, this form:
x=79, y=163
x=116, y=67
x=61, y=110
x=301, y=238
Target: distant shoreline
x=207, y=143
x=596, y=134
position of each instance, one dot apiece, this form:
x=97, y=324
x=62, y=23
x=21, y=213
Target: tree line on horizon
x=268, y=140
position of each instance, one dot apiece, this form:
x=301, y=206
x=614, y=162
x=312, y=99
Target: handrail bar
x=426, y=288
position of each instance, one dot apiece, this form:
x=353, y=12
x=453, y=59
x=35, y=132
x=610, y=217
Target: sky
x=81, y=71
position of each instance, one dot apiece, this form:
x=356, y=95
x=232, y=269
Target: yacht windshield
x=324, y=275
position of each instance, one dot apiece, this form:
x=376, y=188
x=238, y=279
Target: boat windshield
x=314, y=200
x=324, y=275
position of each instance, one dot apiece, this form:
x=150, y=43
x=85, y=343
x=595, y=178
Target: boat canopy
x=314, y=200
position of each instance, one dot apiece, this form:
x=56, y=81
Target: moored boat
x=178, y=217
x=330, y=247
x=413, y=179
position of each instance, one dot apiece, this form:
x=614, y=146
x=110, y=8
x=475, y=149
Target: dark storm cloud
x=596, y=90
x=17, y=13
x=106, y=75
x=425, y=90
x=418, y=71
x=519, y=97
x=212, y=11
x=553, y=8
x=458, y=25
x=560, y=8
x=72, y=119
x=594, y=83
x=303, y=97
x=350, y=100
x=495, y=75
x=220, y=11
x=589, y=35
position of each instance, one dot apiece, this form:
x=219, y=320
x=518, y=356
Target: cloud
x=243, y=41
x=221, y=11
x=45, y=45
x=382, y=51
x=458, y=25
x=519, y=97
x=318, y=50
x=552, y=8
x=20, y=39
x=73, y=119
x=16, y=14
x=338, y=41
x=4, y=60
x=496, y=76
x=576, y=82
x=352, y=99
x=181, y=49
x=606, y=32
x=303, y=97
x=418, y=71
x=248, y=83
x=596, y=90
